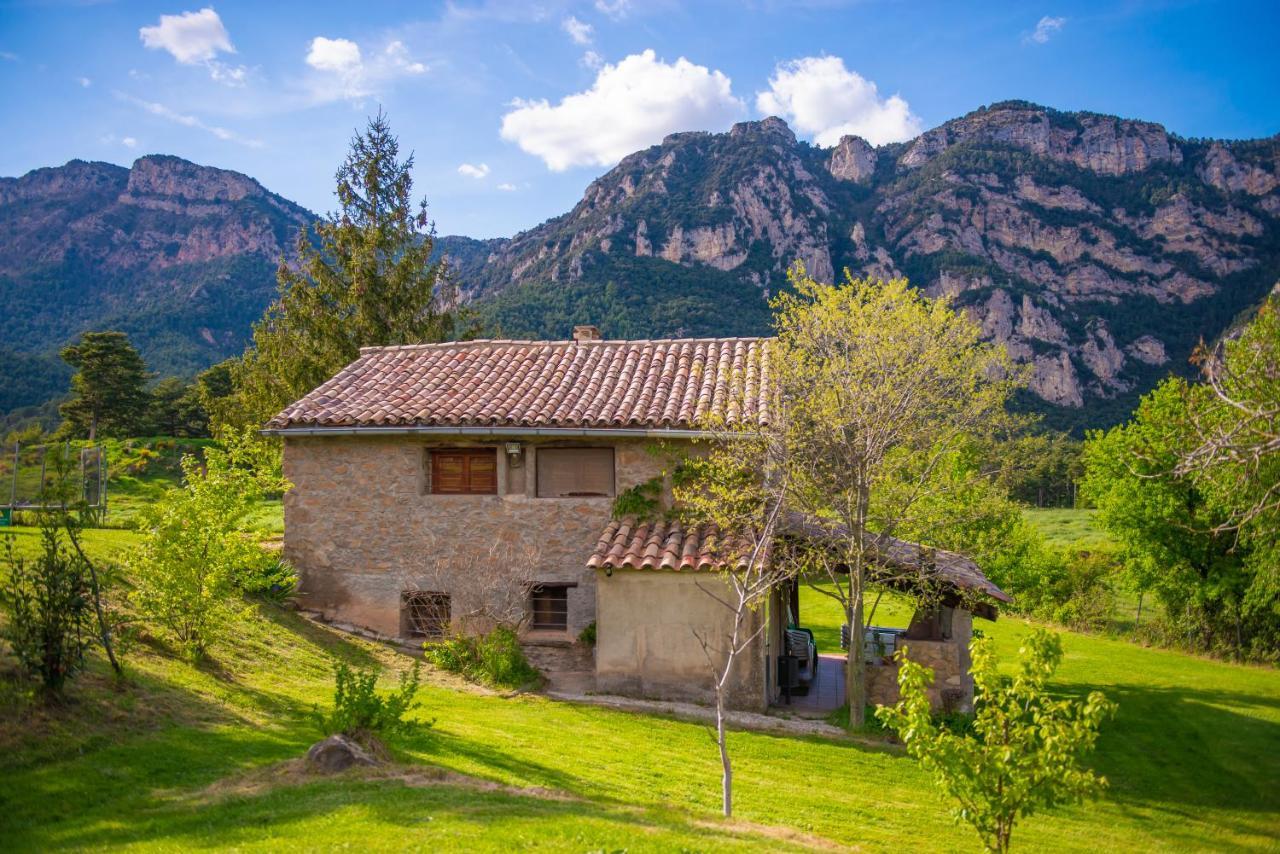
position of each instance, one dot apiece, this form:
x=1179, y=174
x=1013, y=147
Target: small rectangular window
x=575, y=472
x=425, y=615
x=549, y=607
x=464, y=471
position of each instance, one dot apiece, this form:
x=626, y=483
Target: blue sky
x=513, y=108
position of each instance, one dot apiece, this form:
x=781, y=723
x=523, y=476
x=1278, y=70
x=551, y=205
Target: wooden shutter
x=567, y=472
x=465, y=471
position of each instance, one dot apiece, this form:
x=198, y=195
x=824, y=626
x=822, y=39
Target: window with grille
x=549, y=604
x=464, y=471
x=570, y=472
x=425, y=615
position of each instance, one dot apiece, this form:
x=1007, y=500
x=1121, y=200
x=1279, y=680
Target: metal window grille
x=549, y=604
x=426, y=615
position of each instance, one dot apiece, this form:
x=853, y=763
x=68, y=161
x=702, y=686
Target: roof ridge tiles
x=557, y=342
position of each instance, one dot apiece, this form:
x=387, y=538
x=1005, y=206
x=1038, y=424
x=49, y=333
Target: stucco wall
x=361, y=526
x=645, y=643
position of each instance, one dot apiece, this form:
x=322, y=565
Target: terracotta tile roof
x=900, y=560
x=629, y=544
x=671, y=384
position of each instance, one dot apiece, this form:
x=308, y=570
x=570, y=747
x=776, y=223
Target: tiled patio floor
x=826, y=694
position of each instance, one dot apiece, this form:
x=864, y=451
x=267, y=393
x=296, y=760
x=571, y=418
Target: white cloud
x=580, y=31
x=508, y=188
x=196, y=38
x=187, y=120
x=338, y=55
x=84, y=82
x=821, y=98
x=111, y=139
x=1045, y=29
x=631, y=105
x=347, y=72
x=592, y=60
x=192, y=37
x=8, y=57
x=476, y=171
x=616, y=9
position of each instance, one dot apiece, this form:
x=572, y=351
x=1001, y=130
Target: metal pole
x=13, y=485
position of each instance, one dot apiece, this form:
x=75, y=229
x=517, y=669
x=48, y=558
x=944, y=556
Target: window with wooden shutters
x=571, y=472
x=464, y=471
x=425, y=615
x=549, y=607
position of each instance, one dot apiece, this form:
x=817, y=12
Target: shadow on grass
x=395, y=815
x=1191, y=748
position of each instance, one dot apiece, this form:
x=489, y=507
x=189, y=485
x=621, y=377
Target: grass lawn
x=1065, y=526
x=184, y=756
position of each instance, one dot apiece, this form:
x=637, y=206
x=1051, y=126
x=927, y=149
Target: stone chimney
x=586, y=333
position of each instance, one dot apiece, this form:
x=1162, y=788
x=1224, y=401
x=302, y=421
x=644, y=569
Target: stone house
x=441, y=487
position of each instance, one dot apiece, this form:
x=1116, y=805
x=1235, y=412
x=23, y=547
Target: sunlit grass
x=1193, y=758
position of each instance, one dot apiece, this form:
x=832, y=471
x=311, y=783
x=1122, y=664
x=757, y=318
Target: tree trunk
x=856, y=670
x=726, y=787
x=1137, y=621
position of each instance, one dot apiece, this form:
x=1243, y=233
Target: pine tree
x=365, y=278
x=109, y=387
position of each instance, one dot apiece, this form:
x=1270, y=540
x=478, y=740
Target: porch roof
x=672, y=545
x=663, y=544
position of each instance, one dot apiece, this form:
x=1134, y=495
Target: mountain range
x=1099, y=250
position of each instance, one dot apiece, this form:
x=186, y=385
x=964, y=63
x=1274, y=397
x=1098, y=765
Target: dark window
x=569, y=472
x=425, y=615
x=550, y=606
x=464, y=471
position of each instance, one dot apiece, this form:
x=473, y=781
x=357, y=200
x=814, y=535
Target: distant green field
x=1063, y=526
x=186, y=757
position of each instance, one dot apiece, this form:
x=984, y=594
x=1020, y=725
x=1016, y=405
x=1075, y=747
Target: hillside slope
x=180, y=256
x=1099, y=250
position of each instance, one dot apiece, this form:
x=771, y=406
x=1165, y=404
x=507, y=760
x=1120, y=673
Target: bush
x=587, y=637
x=495, y=658
x=196, y=558
x=48, y=606
x=360, y=712
x=272, y=578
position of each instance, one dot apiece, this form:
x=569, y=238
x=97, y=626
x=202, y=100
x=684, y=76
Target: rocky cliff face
x=1097, y=249
x=180, y=256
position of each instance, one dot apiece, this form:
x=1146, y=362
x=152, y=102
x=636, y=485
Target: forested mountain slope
x=1098, y=249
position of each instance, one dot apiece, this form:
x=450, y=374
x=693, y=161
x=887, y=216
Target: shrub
x=495, y=658
x=48, y=607
x=195, y=558
x=1024, y=750
x=271, y=578
x=587, y=637
x=360, y=712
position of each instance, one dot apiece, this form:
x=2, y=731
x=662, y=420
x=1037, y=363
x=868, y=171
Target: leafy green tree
x=109, y=387
x=1191, y=488
x=364, y=278
x=1168, y=526
x=1026, y=748
x=177, y=409
x=879, y=388
x=196, y=554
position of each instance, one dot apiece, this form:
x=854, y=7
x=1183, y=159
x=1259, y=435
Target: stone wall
x=952, y=688
x=361, y=527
